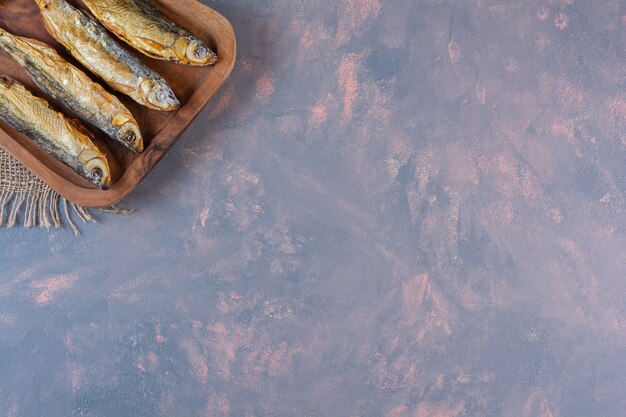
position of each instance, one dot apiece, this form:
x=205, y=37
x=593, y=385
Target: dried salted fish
x=59, y=136
x=142, y=25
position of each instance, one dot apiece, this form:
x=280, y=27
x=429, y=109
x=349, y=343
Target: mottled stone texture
x=393, y=208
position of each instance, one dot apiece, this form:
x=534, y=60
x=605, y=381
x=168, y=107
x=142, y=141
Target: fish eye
x=96, y=175
x=201, y=51
x=130, y=136
x=161, y=95
x=164, y=96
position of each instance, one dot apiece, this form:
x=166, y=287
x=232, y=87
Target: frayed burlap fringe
x=39, y=208
x=22, y=195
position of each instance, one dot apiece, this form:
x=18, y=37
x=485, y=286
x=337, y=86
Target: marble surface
x=400, y=209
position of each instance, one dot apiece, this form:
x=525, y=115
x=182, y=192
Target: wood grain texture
x=194, y=86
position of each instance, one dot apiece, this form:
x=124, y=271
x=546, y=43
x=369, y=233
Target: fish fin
x=153, y=45
x=122, y=88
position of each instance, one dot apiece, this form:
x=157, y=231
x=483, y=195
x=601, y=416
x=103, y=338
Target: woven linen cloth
x=28, y=201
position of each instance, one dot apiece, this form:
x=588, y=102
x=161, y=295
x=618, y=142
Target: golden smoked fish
x=53, y=132
x=92, y=46
x=72, y=87
x=142, y=25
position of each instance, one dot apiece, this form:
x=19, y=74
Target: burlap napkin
x=26, y=200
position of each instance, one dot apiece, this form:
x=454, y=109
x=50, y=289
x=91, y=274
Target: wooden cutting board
x=194, y=86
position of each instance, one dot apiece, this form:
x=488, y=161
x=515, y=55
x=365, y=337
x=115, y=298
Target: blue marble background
x=399, y=209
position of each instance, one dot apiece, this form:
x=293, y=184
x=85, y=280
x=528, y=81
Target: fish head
x=128, y=131
x=160, y=96
x=194, y=51
x=96, y=168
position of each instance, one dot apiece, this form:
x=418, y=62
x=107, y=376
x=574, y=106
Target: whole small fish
x=74, y=89
x=53, y=132
x=92, y=46
x=142, y=25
